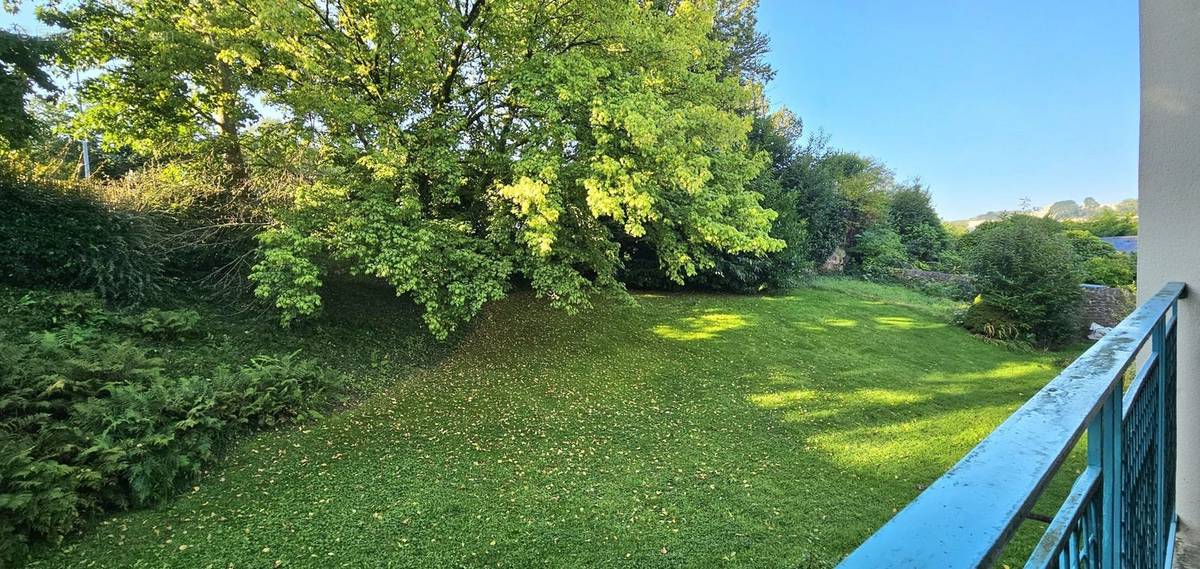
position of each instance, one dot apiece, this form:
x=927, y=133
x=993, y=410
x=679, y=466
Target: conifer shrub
x=92, y=418
x=1028, y=277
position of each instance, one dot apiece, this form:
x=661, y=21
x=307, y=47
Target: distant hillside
x=1061, y=210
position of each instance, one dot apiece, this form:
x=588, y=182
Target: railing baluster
x=1109, y=450
x=1158, y=341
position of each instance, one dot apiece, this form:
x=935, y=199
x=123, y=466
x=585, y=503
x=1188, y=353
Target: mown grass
x=686, y=430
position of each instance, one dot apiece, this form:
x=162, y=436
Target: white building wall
x=1169, y=211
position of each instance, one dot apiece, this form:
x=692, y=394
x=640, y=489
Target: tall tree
x=736, y=24
x=22, y=62
x=912, y=216
x=173, y=75
x=469, y=141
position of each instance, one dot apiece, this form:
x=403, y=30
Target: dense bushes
x=908, y=235
x=912, y=216
x=1115, y=270
x=64, y=237
x=825, y=199
x=92, y=418
x=208, y=228
x=776, y=136
x=1028, y=278
x=1100, y=261
x=879, y=250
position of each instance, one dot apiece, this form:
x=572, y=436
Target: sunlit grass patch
x=839, y=322
x=783, y=398
x=701, y=327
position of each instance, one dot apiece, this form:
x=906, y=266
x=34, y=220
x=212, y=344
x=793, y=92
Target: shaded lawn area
x=689, y=430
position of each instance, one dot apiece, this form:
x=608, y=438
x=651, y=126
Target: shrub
x=1100, y=261
x=992, y=322
x=1087, y=246
x=1116, y=270
x=879, y=250
x=90, y=420
x=64, y=237
x=1108, y=223
x=208, y=227
x=1027, y=271
x=912, y=215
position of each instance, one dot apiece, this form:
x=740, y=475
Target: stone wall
x=935, y=276
x=1104, y=305
x=957, y=286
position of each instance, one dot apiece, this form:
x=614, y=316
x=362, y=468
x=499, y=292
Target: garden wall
x=917, y=275
x=1106, y=306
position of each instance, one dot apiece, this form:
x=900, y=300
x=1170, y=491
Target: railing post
x=1104, y=451
x=1159, y=343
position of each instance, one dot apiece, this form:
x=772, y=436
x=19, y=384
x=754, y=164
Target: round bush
x=1027, y=271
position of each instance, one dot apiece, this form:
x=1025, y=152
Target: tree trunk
x=228, y=120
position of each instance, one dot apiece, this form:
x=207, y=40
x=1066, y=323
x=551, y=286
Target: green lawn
x=685, y=430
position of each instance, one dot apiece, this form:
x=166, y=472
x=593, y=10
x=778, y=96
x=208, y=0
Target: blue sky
x=987, y=101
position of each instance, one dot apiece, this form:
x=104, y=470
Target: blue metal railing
x=1120, y=513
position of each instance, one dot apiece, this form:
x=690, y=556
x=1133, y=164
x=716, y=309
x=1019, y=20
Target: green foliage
x=902, y=231
x=92, y=420
x=1100, y=261
x=825, y=199
x=21, y=60
x=1087, y=246
x=164, y=323
x=778, y=136
x=735, y=24
x=991, y=321
x=287, y=272
x=813, y=177
x=64, y=237
x=1108, y=223
x=462, y=148
x=912, y=215
x=879, y=250
x=1116, y=270
x=451, y=151
x=1027, y=271
x=174, y=78
x=866, y=186
x=208, y=228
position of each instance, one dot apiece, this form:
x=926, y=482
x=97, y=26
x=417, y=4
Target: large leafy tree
x=469, y=141
x=449, y=146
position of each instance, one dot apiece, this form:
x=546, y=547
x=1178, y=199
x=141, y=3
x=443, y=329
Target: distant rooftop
x=1127, y=244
